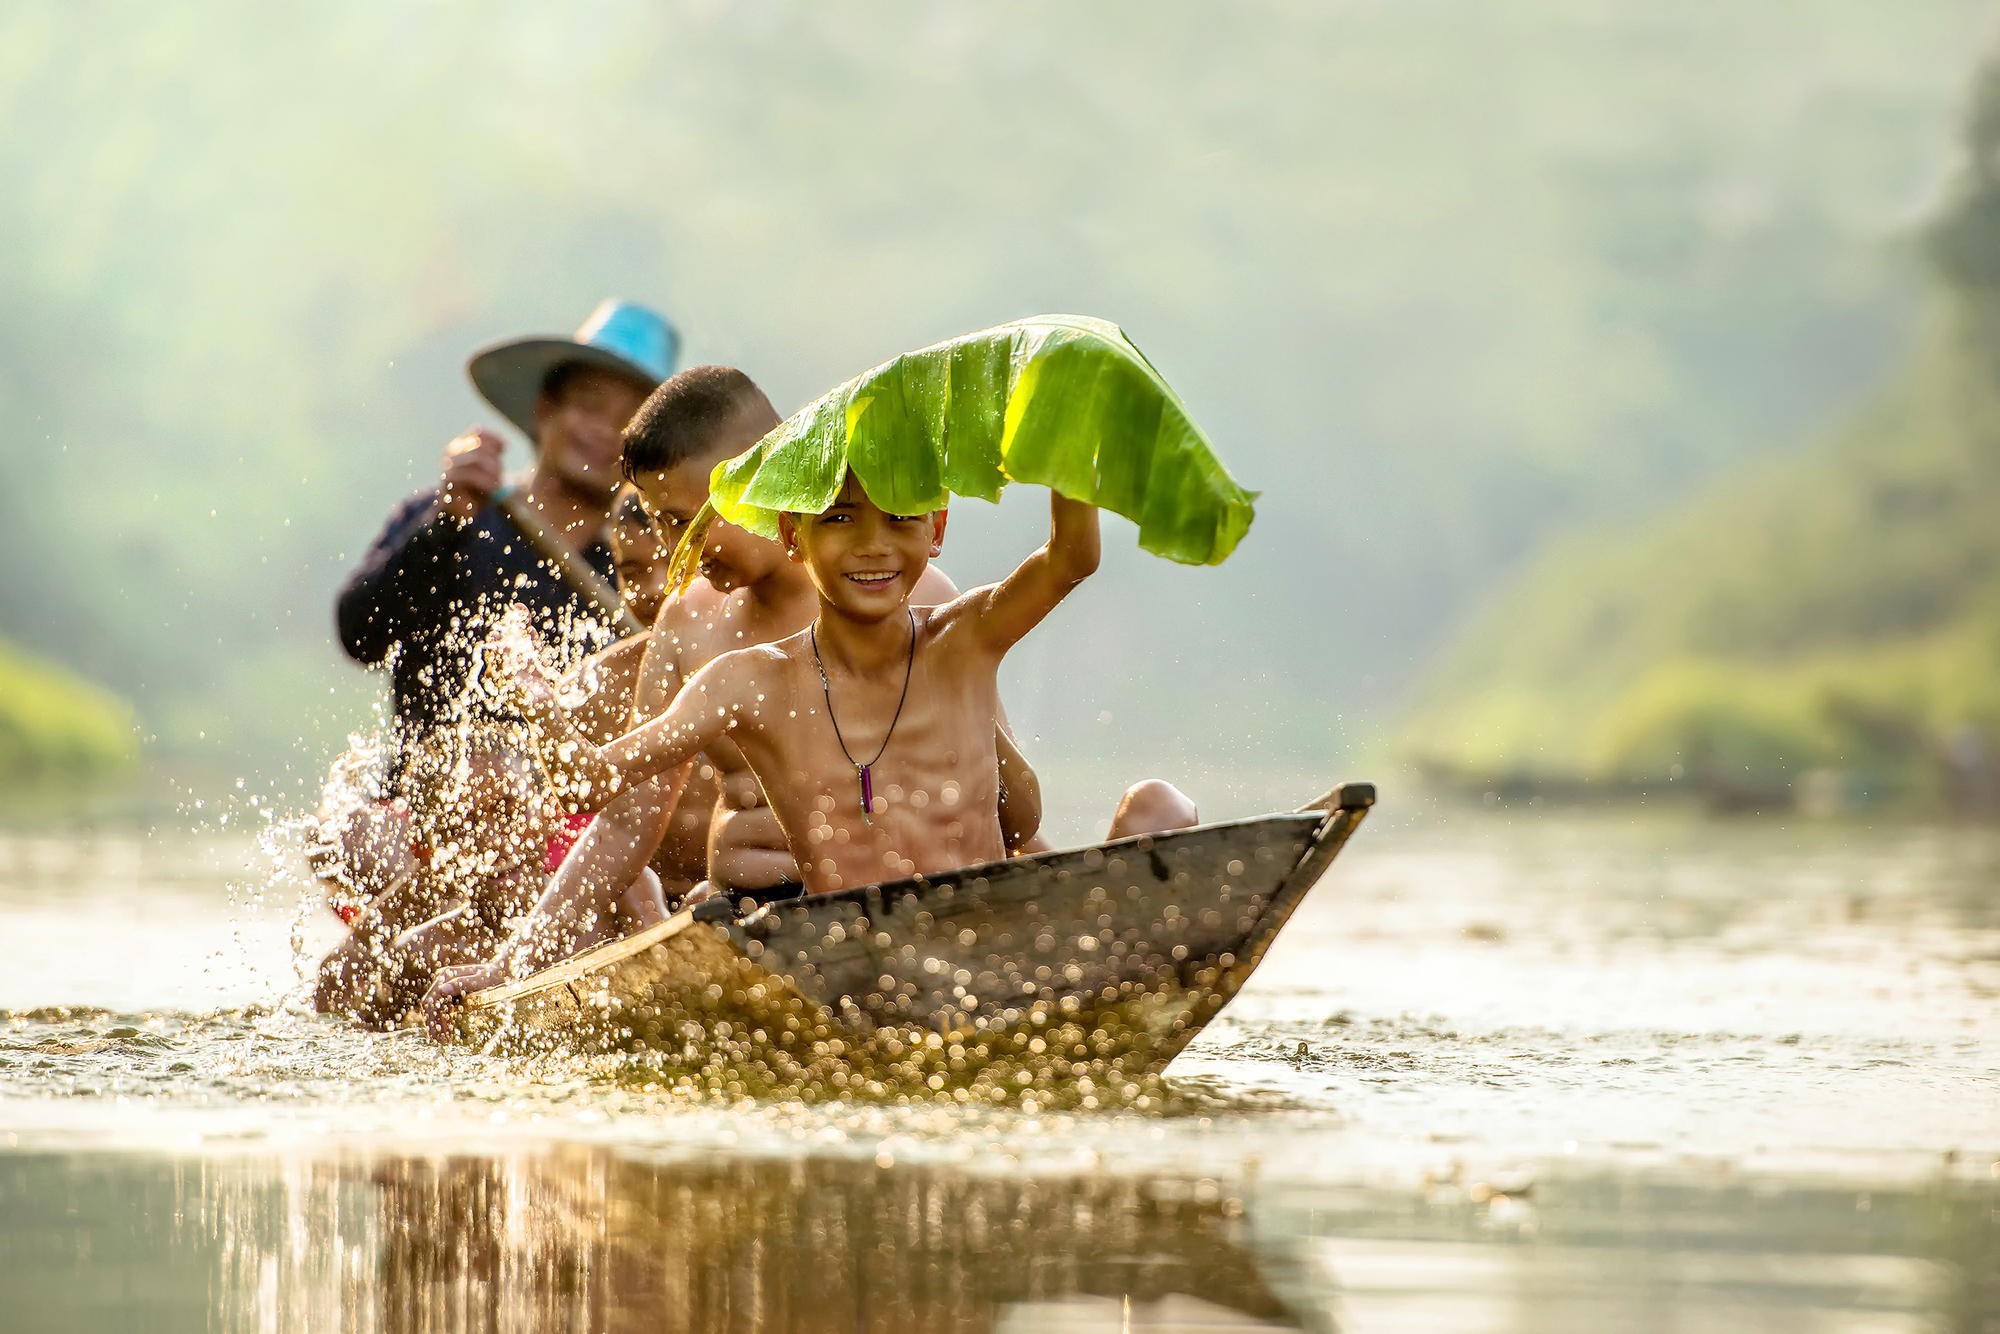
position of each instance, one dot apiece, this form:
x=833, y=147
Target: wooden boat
x=1064, y=968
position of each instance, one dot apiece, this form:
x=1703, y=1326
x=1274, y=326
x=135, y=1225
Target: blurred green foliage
x=1439, y=279
x=57, y=733
x=1835, y=609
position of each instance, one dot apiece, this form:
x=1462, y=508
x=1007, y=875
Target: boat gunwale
x=1345, y=803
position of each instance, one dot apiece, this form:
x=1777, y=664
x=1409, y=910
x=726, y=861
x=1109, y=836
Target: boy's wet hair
x=677, y=419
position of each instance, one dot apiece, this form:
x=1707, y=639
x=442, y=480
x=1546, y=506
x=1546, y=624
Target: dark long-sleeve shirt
x=430, y=587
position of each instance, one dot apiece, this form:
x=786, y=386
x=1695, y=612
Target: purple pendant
x=867, y=791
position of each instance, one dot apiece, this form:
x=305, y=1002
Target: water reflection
x=1708, y=1004
x=584, y=1239
x=573, y=1237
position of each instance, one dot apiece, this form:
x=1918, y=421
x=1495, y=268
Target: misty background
x=1447, y=282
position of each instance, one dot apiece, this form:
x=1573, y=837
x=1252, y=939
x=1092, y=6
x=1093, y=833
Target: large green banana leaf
x=1061, y=401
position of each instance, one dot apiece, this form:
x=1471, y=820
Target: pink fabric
x=561, y=842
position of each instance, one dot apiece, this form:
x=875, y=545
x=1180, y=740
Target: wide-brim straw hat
x=620, y=336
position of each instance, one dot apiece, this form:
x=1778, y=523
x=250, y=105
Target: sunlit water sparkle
x=1485, y=1020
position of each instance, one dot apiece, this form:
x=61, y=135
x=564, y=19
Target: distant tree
x=1965, y=236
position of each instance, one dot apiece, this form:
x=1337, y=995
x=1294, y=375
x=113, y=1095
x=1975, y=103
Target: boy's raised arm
x=1006, y=611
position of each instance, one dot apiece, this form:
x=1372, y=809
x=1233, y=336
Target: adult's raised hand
x=469, y=473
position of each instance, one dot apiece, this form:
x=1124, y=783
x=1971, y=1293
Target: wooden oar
x=575, y=570
x=583, y=964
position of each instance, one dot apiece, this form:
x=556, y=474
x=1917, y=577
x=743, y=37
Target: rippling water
x=1518, y=1074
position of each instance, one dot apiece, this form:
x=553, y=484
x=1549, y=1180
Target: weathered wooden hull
x=1068, y=968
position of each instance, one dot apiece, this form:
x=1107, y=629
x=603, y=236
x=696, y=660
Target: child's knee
x=645, y=900
x=1153, y=806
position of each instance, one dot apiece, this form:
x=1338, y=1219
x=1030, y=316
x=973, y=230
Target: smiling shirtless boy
x=748, y=594
x=893, y=771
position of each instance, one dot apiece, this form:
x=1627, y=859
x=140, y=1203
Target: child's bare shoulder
x=697, y=603
x=673, y=622
x=691, y=626
x=753, y=663
x=933, y=588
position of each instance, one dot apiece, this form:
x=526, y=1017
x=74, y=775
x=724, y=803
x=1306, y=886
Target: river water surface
x=1499, y=1073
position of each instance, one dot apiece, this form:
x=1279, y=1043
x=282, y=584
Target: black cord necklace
x=865, y=772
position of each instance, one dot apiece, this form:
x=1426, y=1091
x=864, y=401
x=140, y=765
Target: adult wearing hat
x=455, y=556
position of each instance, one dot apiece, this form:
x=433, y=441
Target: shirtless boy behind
x=608, y=681
x=640, y=557
x=893, y=770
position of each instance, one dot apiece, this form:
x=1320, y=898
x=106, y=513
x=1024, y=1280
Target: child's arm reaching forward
x=1006, y=611
x=705, y=708
x=708, y=707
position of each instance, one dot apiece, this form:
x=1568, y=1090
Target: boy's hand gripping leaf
x=1062, y=401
